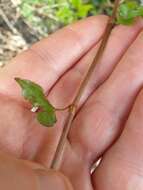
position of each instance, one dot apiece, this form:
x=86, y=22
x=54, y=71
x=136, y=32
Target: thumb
x=18, y=174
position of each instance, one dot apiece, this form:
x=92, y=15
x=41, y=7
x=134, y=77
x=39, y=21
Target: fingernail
x=51, y=180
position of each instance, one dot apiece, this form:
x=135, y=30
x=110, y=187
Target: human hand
x=58, y=64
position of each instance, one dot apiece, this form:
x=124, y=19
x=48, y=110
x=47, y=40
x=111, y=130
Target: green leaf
x=45, y=119
x=35, y=95
x=83, y=10
x=128, y=11
x=31, y=91
x=76, y=3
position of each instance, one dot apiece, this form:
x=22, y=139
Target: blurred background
x=23, y=22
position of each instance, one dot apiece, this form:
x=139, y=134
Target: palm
x=93, y=129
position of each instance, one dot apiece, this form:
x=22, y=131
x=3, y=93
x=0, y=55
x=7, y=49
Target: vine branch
x=73, y=108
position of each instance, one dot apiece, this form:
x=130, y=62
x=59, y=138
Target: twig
x=73, y=108
x=6, y=20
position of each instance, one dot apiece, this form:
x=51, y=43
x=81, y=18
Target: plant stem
x=62, y=109
x=73, y=108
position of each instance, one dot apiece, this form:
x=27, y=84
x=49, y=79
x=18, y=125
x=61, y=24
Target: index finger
x=48, y=59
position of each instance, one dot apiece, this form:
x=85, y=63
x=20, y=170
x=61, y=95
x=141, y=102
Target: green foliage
x=35, y=95
x=45, y=16
x=75, y=10
x=128, y=11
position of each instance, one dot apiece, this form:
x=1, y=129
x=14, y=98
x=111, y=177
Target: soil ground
x=15, y=34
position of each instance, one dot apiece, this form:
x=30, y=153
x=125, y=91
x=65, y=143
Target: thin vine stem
x=62, y=109
x=73, y=108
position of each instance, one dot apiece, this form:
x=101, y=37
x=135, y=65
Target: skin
x=108, y=123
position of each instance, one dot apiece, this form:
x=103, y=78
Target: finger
x=123, y=36
x=16, y=174
x=122, y=165
x=104, y=113
x=47, y=60
x=120, y=39
x=63, y=92
x=53, y=180
x=98, y=124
